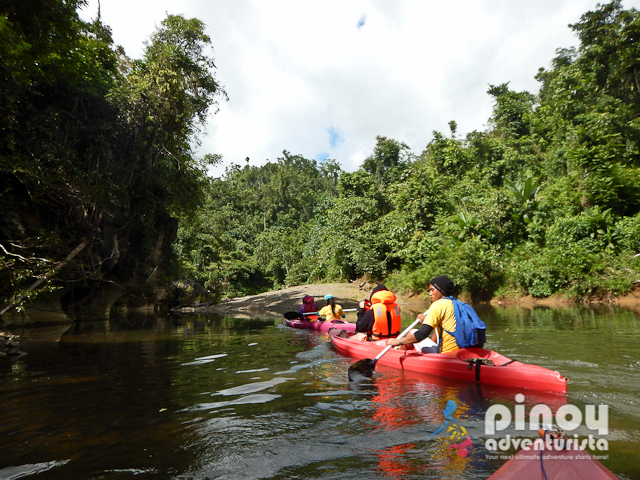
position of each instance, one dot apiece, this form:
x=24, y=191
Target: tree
x=55, y=124
x=388, y=156
x=590, y=109
x=96, y=151
x=164, y=99
x=254, y=225
x=511, y=110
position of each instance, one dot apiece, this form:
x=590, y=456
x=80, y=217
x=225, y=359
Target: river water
x=210, y=397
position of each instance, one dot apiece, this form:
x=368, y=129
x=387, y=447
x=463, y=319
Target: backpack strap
x=453, y=300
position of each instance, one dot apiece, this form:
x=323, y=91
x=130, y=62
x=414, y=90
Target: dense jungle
x=105, y=205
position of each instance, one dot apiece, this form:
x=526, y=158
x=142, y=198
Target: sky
x=323, y=79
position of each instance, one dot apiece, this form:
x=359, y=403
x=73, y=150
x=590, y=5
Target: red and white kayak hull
x=464, y=364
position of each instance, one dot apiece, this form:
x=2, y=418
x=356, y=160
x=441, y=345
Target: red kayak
x=562, y=464
x=321, y=326
x=474, y=364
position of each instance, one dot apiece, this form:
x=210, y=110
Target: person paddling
x=380, y=316
x=331, y=311
x=308, y=305
x=365, y=315
x=440, y=316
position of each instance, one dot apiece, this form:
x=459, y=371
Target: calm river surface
x=207, y=397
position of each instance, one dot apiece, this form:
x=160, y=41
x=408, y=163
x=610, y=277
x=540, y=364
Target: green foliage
x=511, y=110
x=447, y=155
x=98, y=147
x=572, y=270
x=544, y=202
x=419, y=197
x=254, y=229
x=466, y=225
x=592, y=230
x=544, y=272
x=524, y=191
x=473, y=266
x=348, y=244
x=627, y=233
x=95, y=149
x=589, y=109
x=541, y=203
x=163, y=99
x=387, y=161
x=358, y=184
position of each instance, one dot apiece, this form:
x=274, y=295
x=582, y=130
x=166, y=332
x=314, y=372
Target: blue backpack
x=470, y=330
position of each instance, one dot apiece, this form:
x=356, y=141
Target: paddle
x=366, y=366
x=294, y=315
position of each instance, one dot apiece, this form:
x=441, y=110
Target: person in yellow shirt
x=331, y=311
x=440, y=316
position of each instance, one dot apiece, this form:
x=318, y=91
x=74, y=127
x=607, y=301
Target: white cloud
x=324, y=78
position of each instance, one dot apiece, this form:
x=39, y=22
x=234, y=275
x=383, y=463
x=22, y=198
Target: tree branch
x=58, y=266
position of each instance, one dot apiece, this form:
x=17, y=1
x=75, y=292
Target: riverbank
x=630, y=300
x=348, y=295
x=276, y=302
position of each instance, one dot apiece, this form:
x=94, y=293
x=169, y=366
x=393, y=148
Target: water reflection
x=218, y=397
x=253, y=387
x=207, y=359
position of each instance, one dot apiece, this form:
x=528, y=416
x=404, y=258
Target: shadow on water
x=210, y=396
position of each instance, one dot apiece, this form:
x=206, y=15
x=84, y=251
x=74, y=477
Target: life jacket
x=309, y=304
x=386, y=313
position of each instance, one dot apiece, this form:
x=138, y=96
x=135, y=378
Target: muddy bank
x=630, y=300
x=275, y=303
x=348, y=295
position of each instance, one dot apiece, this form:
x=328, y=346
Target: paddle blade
x=291, y=315
x=362, y=368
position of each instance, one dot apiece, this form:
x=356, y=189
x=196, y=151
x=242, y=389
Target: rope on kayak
x=542, y=465
x=541, y=449
x=554, y=433
x=510, y=361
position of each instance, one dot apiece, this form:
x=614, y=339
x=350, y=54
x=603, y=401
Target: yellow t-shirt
x=326, y=312
x=440, y=315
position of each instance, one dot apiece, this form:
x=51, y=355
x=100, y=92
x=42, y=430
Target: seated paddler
x=331, y=311
x=440, y=317
x=382, y=319
x=308, y=305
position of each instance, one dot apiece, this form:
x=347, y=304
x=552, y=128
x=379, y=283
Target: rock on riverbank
x=9, y=344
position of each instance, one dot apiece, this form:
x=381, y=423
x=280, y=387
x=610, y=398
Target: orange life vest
x=386, y=313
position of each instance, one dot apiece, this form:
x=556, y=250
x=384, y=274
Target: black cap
x=443, y=284
x=378, y=287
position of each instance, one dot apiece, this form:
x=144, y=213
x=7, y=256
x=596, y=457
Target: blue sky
x=323, y=78
x=335, y=139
